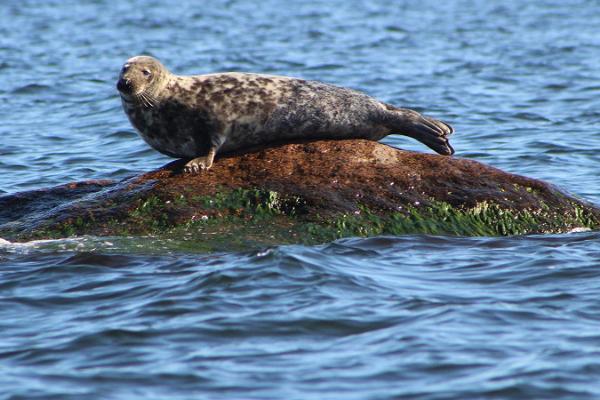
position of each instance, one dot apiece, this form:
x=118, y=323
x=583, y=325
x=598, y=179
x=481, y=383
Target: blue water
x=388, y=317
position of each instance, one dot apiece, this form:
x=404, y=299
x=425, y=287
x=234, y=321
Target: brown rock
x=332, y=179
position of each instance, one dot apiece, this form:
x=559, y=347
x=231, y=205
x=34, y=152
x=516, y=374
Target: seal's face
x=139, y=78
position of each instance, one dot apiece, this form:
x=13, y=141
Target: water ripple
x=355, y=311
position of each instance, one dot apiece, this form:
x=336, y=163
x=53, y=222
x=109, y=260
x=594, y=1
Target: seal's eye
x=146, y=72
x=125, y=68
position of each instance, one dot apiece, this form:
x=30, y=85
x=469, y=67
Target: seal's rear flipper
x=429, y=131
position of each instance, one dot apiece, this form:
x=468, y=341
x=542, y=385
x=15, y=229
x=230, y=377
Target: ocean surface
x=409, y=317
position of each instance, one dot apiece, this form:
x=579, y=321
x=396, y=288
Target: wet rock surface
x=302, y=192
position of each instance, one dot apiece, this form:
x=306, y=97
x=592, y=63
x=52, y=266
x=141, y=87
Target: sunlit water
x=403, y=317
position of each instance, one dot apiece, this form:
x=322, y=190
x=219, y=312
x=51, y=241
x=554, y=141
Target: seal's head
x=140, y=79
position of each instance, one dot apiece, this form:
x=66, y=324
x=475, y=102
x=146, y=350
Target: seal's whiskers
x=147, y=99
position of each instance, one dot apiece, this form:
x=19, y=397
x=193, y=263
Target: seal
x=194, y=117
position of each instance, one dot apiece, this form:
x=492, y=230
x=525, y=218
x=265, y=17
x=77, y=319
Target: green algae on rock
x=302, y=193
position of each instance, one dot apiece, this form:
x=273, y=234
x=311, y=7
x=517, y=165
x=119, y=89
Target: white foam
x=6, y=243
x=62, y=244
x=579, y=229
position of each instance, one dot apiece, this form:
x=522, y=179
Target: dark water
x=379, y=318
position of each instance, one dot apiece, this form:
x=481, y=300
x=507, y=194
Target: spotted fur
x=187, y=116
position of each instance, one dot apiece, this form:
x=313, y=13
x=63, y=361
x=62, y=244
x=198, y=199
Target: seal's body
x=196, y=116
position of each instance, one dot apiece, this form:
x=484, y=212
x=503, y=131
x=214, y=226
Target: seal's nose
x=124, y=85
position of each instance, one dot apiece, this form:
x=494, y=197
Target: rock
x=302, y=193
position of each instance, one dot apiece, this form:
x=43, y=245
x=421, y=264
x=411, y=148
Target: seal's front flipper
x=201, y=163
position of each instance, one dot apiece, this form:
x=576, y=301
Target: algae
x=246, y=218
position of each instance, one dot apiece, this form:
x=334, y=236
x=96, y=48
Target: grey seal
x=195, y=117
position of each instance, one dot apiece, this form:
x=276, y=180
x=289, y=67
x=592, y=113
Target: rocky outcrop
x=302, y=192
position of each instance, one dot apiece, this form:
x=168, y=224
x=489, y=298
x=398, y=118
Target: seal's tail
x=428, y=131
